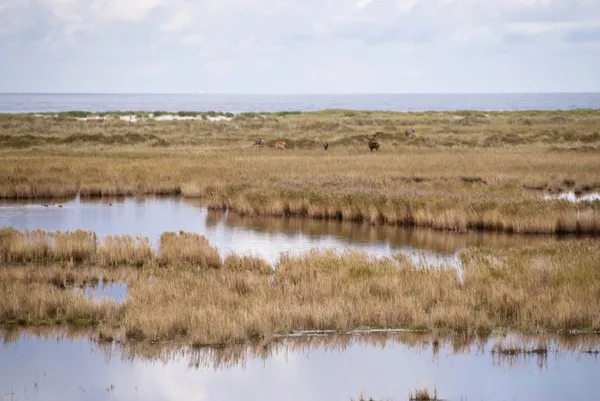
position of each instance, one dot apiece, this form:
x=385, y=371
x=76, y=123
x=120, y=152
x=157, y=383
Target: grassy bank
x=459, y=171
x=189, y=292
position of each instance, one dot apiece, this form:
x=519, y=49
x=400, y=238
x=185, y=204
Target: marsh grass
x=39, y=246
x=460, y=171
x=187, y=248
x=125, y=250
x=83, y=247
x=547, y=286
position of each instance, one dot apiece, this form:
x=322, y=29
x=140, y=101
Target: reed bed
x=460, y=171
x=550, y=288
x=547, y=286
x=39, y=246
x=43, y=303
x=83, y=247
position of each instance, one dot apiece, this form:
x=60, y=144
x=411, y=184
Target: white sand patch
x=151, y=116
x=571, y=197
x=131, y=119
x=169, y=117
x=218, y=118
x=91, y=118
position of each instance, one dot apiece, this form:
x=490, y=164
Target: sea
x=51, y=102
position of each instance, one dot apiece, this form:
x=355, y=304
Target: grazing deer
x=280, y=145
x=325, y=145
x=409, y=132
x=261, y=142
x=373, y=144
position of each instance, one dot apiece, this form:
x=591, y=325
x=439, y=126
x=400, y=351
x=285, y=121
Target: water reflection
x=48, y=365
x=265, y=237
x=113, y=291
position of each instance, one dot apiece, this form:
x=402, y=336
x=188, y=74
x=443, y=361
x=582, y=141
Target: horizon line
x=302, y=94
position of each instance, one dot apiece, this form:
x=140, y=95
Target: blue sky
x=310, y=46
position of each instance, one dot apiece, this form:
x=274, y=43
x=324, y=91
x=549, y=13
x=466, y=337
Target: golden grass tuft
x=83, y=247
x=187, y=248
x=39, y=246
x=234, y=262
x=125, y=250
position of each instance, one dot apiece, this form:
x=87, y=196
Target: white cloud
x=192, y=39
x=64, y=9
x=363, y=3
x=406, y=5
x=177, y=22
x=290, y=46
x=124, y=10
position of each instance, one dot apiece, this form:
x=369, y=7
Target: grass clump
x=234, y=262
x=423, y=394
x=39, y=246
x=187, y=248
x=126, y=250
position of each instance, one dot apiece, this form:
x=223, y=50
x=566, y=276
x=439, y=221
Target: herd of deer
x=373, y=144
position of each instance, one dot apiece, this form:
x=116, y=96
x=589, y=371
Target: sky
x=309, y=46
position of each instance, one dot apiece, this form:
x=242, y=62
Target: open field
x=459, y=171
x=188, y=292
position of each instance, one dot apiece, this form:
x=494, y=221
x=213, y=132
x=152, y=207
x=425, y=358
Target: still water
x=264, y=237
x=53, y=366
x=116, y=291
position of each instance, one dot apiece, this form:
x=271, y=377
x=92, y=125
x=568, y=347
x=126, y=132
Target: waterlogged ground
x=52, y=366
x=265, y=237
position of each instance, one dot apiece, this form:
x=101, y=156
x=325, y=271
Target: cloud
x=289, y=46
x=64, y=9
x=120, y=10
x=177, y=22
x=583, y=35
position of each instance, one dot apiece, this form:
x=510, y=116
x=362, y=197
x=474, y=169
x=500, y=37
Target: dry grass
x=460, y=171
x=122, y=250
x=83, y=247
x=187, y=248
x=423, y=394
x=43, y=303
x=548, y=286
x=39, y=246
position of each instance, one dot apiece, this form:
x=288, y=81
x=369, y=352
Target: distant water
x=27, y=103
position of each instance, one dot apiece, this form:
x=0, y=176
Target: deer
x=260, y=142
x=280, y=145
x=373, y=144
x=325, y=145
x=409, y=132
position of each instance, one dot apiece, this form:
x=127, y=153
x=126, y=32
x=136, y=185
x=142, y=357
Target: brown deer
x=261, y=142
x=409, y=132
x=280, y=145
x=373, y=144
x=325, y=145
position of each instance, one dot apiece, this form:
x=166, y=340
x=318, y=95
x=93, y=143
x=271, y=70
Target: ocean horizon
x=238, y=103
